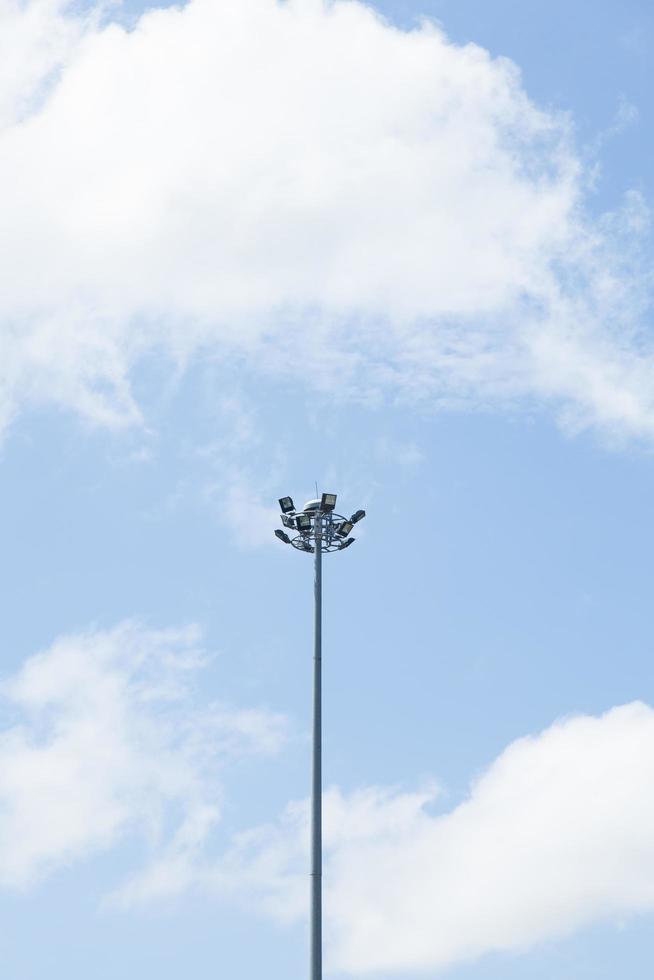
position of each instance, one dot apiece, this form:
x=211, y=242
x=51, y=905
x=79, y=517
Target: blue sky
x=249, y=247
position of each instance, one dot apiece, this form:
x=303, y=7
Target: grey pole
x=316, y=782
x=317, y=528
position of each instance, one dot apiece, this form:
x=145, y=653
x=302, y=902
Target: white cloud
x=105, y=737
x=558, y=833
x=35, y=40
x=292, y=181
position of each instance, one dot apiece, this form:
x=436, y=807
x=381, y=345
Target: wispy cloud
x=240, y=495
x=399, y=452
x=106, y=737
x=383, y=211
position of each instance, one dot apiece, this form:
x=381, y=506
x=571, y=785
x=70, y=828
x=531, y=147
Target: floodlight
x=344, y=529
x=288, y=521
x=304, y=522
x=287, y=505
x=327, y=502
x=346, y=544
x=358, y=516
x=283, y=536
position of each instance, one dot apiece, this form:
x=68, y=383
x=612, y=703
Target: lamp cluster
x=317, y=523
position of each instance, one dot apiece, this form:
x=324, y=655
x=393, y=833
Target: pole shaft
x=316, y=780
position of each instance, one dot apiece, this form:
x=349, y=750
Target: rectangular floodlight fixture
x=344, y=529
x=304, y=522
x=287, y=505
x=328, y=502
x=288, y=521
x=358, y=516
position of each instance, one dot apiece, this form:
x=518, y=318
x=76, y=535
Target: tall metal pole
x=316, y=782
x=317, y=528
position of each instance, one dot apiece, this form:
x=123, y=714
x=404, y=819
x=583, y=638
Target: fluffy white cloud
x=294, y=180
x=556, y=834
x=105, y=737
x=35, y=39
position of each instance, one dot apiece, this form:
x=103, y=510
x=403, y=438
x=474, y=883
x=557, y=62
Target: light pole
x=318, y=529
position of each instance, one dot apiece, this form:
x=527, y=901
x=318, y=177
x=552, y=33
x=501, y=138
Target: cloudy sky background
x=402, y=249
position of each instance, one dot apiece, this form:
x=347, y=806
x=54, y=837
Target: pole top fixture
x=317, y=524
